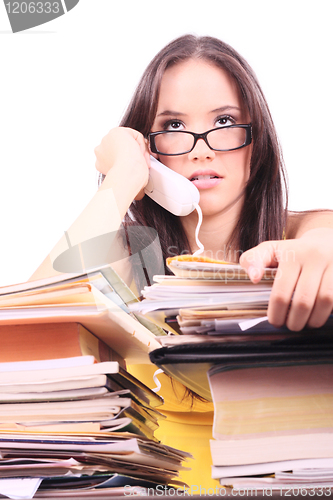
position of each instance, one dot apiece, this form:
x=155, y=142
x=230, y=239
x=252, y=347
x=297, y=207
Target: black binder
x=188, y=362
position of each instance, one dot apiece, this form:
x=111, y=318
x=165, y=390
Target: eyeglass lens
x=222, y=139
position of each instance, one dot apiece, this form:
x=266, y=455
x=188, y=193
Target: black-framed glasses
x=180, y=142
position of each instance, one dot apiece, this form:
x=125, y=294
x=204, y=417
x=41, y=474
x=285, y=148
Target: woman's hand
x=124, y=151
x=302, y=293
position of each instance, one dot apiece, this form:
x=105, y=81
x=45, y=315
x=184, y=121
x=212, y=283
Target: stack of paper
x=273, y=424
x=216, y=313
x=99, y=300
x=73, y=423
x=204, y=298
x=272, y=388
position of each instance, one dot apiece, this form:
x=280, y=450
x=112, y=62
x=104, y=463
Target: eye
x=224, y=121
x=173, y=125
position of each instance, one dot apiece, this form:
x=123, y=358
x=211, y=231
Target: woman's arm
x=123, y=158
x=302, y=293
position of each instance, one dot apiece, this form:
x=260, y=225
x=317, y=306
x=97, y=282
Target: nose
x=201, y=151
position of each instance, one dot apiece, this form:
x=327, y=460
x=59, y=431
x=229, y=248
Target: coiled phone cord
x=197, y=229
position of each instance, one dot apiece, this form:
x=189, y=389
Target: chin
x=210, y=210
x=210, y=204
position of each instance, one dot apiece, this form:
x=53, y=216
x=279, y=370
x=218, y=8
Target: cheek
x=248, y=156
x=174, y=163
x=238, y=163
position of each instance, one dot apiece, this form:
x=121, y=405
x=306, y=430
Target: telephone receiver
x=172, y=191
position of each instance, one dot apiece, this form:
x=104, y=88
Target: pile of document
x=207, y=307
x=272, y=388
x=205, y=298
x=98, y=299
x=63, y=425
x=273, y=423
x=74, y=427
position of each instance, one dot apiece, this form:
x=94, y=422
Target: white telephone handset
x=172, y=191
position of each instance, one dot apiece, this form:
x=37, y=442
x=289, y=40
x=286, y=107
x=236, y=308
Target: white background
x=66, y=83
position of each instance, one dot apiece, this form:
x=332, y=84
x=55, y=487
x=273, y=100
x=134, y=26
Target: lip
x=205, y=183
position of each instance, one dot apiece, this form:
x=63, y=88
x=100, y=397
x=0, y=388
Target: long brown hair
x=263, y=214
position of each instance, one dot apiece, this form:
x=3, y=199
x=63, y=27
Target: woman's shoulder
x=302, y=221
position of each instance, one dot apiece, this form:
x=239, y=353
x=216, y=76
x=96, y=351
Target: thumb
x=255, y=260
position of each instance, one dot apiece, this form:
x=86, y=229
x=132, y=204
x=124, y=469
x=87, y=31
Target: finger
x=282, y=292
x=98, y=163
x=324, y=301
x=98, y=166
x=304, y=297
x=256, y=259
x=147, y=158
x=140, y=195
x=140, y=139
x=96, y=155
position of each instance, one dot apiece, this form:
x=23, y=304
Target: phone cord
x=157, y=382
x=197, y=229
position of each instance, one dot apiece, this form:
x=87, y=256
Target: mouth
x=205, y=180
x=204, y=177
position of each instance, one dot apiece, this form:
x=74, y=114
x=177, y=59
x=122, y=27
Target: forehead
x=197, y=83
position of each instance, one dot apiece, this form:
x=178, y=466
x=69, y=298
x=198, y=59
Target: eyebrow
x=225, y=108
x=222, y=109
x=168, y=112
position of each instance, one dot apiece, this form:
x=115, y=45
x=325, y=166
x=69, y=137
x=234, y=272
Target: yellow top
x=188, y=427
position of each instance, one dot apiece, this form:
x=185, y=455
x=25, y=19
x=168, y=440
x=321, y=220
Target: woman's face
x=198, y=96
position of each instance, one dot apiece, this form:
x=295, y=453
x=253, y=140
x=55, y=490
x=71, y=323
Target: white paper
x=22, y=488
x=249, y=323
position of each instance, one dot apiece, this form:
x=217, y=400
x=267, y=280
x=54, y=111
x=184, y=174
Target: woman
x=198, y=85
x=259, y=216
